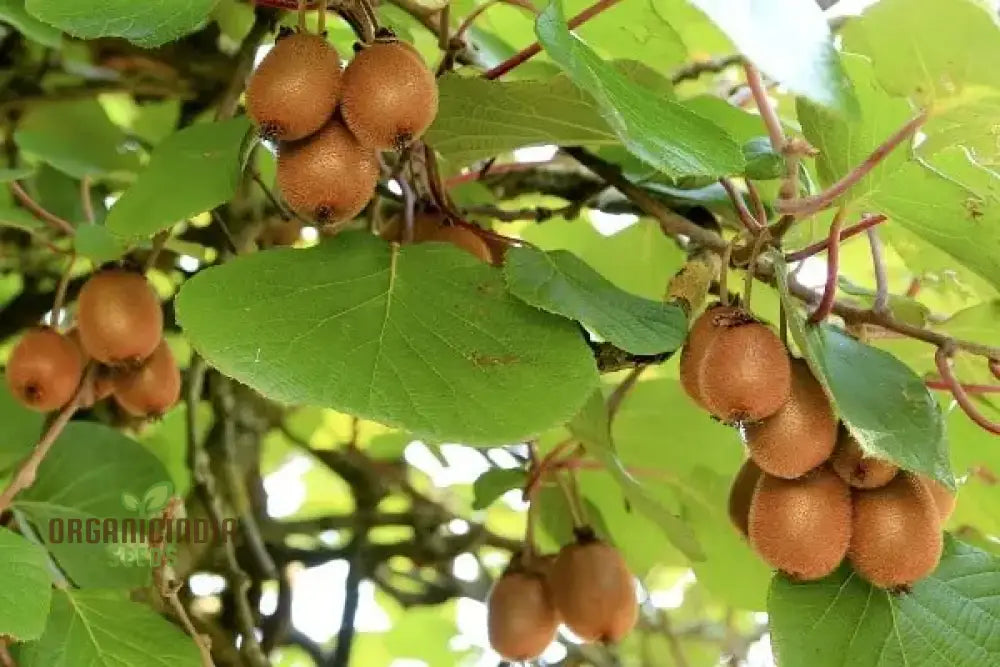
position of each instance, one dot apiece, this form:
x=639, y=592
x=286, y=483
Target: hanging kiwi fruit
x=434, y=227
x=44, y=369
x=119, y=317
x=521, y=617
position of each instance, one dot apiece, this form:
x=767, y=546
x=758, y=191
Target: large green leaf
x=561, y=283
x=148, y=23
x=927, y=48
x=106, y=629
x=83, y=478
x=844, y=143
x=952, y=617
x=788, y=41
x=592, y=428
x=25, y=587
x=21, y=428
x=883, y=403
x=192, y=171
x=661, y=132
x=12, y=12
x=76, y=137
x=425, y=337
x=479, y=119
x=969, y=121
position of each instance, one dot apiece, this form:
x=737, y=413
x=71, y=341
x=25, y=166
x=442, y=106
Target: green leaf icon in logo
x=130, y=502
x=156, y=498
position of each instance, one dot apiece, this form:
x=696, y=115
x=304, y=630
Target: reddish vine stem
x=767, y=112
x=479, y=9
x=25, y=475
x=538, y=471
x=808, y=205
x=881, y=302
x=60, y=298
x=758, y=204
x=820, y=246
x=825, y=306
x=85, y=200
x=54, y=221
x=942, y=358
x=752, y=224
x=969, y=388
x=531, y=51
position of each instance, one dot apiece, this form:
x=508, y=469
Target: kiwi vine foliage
x=311, y=370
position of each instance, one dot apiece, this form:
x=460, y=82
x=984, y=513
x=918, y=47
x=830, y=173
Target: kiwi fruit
x=801, y=526
x=745, y=373
x=702, y=332
x=390, y=97
x=433, y=227
x=800, y=435
x=944, y=499
x=741, y=495
x=593, y=590
x=896, y=533
x=44, y=369
x=119, y=318
x=521, y=619
x=860, y=471
x=329, y=177
x=295, y=89
x=151, y=389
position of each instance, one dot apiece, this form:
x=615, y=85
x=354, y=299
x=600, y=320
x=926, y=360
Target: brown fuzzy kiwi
x=433, y=227
x=858, y=470
x=741, y=495
x=296, y=87
x=328, y=177
x=44, y=369
x=702, y=332
x=801, y=526
x=151, y=389
x=119, y=318
x=390, y=97
x=799, y=436
x=594, y=591
x=944, y=499
x=521, y=618
x=896, y=533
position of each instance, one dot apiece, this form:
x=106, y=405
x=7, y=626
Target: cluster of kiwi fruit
x=808, y=495
x=329, y=123
x=587, y=586
x=119, y=329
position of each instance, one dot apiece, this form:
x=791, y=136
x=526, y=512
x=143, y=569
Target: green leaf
x=661, y=132
x=192, y=171
x=83, y=477
x=156, y=497
x=77, y=138
x=559, y=282
x=883, y=403
x=98, y=244
x=494, y=483
x=8, y=175
x=397, y=335
x=149, y=23
x=763, y=164
x=952, y=617
x=592, y=428
x=12, y=12
x=969, y=122
x=953, y=204
x=845, y=143
x=935, y=48
x=105, y=629
x=130, y=502
x=480, y=119
x=788, y=41
x=25, y=587
x=21, y=428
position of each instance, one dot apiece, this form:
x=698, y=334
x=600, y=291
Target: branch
x=942, y=358
x=816, y=248
x=536, y=48
x=881, y=302
x=942, y=385
x=767, y=112
x=699, y=67
x=242, y=65
x=832, y=271
x=54, y=221
x=750, y=222
x=806, y=206
x=341, y=656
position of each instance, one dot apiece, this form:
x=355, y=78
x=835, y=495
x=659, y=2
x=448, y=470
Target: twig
x=832, y=270
x=341, y=656
x=758, y=204
x=28, y=471
x=752, y=224
x=159, y=241
x=767, y=112
x=271, y=197
x=727, y=258
x=536, y=48
x=808, y=205
x=853, y=230
x=482, y=7
x=618, y=395
x=60, y=298
x=6, y=660
x=204, y=650
x=85, y=200
x=242, y=65
x=54, y=221
x=941, y=385
x=881, y=276
x=697, y=68
x=942, y=358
